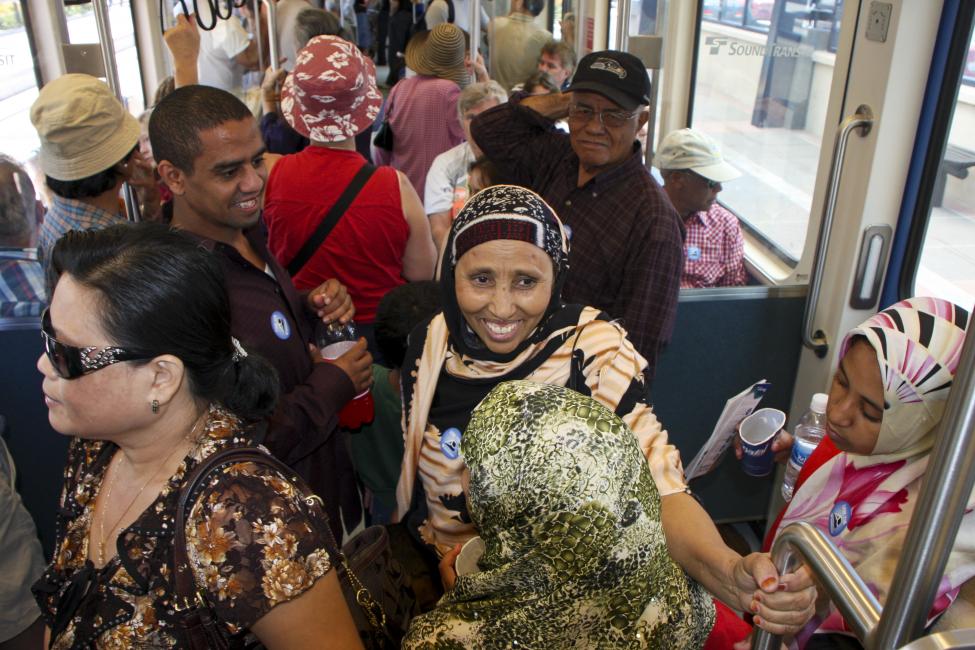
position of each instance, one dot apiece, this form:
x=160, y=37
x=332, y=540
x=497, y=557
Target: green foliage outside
x=10, y=16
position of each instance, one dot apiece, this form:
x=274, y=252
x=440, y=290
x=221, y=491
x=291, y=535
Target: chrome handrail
x=272, y=33
x=475, y=25
x=622, y=24
x=111, y=76
x=863, y=120
x=580, y=28
x=944, y=641
x=857, y=604
x=938, y=513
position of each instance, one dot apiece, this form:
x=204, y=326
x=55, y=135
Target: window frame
x=961, y=38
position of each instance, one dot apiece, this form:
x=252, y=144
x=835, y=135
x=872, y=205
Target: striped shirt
x=71, y=214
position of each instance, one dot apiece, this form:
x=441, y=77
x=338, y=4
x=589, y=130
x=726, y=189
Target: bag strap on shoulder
x=331, y=219
x=184, y=581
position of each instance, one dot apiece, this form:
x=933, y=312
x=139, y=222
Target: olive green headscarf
x=575, y=551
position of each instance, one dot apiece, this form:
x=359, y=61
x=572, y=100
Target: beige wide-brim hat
x=439, y=53
x=83, y=127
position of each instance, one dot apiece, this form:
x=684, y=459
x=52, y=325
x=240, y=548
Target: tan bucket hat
x=439, y=53
x=83, y=127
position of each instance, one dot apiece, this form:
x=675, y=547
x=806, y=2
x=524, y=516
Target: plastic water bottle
x=334, y=340
x=809, y=431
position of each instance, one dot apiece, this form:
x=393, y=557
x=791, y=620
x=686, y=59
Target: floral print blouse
x=248, y=538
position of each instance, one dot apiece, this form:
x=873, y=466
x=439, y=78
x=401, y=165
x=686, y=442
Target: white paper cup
x=757, y=432
x=470, y=553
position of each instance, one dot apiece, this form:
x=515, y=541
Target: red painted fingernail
x=768, y=583
x=758, y=621
x=754, y=607
x=782, y=587
x=758, y=596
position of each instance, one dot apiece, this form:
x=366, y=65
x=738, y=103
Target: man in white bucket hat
x=693, y=170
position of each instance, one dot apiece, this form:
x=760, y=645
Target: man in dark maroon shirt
x=210, y=154
x=627, y=247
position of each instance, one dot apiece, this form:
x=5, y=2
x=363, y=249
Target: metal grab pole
x=580, y=29
x=261, y=67
x=105, y=41
x=938, y=513
x=475, y=23
x=111, y=76
x=272, y=33
x=845, y=588
x=622, y=24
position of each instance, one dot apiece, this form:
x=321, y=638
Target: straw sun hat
x=439, y=53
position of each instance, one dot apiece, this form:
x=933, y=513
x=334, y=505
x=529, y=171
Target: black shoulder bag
x=380, y=600
x=328, y=222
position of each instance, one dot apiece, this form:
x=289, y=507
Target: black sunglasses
x=71, y=362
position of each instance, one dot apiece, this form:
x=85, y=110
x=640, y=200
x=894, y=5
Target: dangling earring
x=155, y=406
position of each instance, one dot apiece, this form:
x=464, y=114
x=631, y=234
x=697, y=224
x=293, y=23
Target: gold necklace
x=108, y=493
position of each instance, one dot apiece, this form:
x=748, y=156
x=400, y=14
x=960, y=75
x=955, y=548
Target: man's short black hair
x=90, y=186
x=534, y=7
x=399, y=312
x=178, y=120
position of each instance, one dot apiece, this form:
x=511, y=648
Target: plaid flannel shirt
x=71, y=214
x=22, y=290
x=626, y=250
x=714, y=250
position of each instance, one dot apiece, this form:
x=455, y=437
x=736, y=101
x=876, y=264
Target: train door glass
x=763, y=75
x=82, y=29
x=645, y=18
x=947, y=264
x=19, y=88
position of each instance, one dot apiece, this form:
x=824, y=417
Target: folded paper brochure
x=735, y=410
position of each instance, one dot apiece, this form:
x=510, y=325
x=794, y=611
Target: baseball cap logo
x=609, y=65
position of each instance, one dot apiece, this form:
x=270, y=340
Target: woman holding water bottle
x=862, y=482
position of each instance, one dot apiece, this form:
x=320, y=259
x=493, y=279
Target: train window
x=763, y=73
x=19, y=88
x=82, y=29
x=947, y=264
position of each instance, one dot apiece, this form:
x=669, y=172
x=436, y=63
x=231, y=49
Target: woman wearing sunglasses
x=139, y=366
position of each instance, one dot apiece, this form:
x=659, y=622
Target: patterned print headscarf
x=865, y=503
x=448, y=370
x=501, y=212
x=575, y=551
x=918, y=344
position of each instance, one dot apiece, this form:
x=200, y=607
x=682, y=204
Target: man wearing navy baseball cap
x=626, y=250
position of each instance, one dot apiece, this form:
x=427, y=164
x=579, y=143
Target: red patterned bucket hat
x=331, y=94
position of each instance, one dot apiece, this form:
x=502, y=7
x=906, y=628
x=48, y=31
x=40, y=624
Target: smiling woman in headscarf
x=502, y=269
x=861, y=484
x=570, y=516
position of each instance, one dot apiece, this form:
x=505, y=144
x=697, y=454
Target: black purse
x=384, y=136
x=374, y=585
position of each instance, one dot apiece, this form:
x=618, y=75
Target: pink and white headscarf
x=864, y=503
